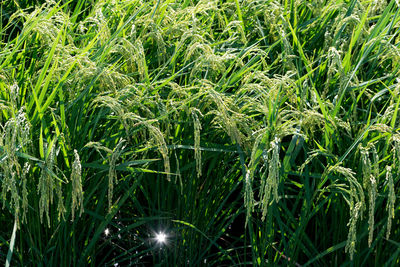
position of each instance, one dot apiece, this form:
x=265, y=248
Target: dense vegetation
x=248, y=132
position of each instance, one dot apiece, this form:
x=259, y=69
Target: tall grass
x=249, y=132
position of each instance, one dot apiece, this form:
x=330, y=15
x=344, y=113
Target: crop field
x=199, y=133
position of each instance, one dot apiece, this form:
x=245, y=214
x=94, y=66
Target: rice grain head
x=112, y=174
x=77, y=192
x=391, y=199
x=269, y=186
x=197, y=151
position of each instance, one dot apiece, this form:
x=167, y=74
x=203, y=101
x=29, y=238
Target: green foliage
x=251, y=132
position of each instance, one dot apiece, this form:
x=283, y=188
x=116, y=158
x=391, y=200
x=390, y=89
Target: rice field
x=199, y=133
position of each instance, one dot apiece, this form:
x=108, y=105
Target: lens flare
x=161, y=238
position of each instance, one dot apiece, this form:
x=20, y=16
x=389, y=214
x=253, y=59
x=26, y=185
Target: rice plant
x=199, y=133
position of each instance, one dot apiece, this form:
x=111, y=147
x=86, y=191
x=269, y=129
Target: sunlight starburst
x=161, y=238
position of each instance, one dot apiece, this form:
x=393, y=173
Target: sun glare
x=161, y=238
